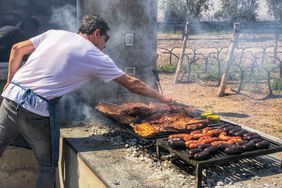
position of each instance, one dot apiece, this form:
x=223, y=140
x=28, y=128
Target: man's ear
x=97, y=32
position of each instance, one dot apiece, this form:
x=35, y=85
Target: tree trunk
x=280, y=68
x=180, y=60
x=229, y=59
x=269, y=83
x=275, y=50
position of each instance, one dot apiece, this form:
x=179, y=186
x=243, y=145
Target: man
x=59, y=63
x=10, y=35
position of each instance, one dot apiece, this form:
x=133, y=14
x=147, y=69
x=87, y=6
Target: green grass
x=167, y=68
x=276, y=84
x=257, y=90
x=210, y=76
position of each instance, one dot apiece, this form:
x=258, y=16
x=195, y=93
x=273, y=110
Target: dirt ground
x=263, y=115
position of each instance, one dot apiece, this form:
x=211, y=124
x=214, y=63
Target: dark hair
x=91, y=22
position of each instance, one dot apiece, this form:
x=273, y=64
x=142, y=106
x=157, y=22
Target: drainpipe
x=78, y=13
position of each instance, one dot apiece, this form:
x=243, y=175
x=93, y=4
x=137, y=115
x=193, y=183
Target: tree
x=178, y=11
x=275, y=9
x=238, y=10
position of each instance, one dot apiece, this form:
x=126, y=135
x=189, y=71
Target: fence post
x=222, y=87
x=180, y=60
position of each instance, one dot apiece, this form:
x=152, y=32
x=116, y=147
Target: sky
x=262, y=10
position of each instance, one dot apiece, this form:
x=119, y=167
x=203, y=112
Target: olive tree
x=178, y=11
x=238, y=10
x=275, y=9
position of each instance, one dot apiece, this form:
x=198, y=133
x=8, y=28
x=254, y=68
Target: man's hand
x=166, y=99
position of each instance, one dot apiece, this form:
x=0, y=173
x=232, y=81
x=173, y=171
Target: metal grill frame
x=159, y=140
x=216, y=159
x=156, y=136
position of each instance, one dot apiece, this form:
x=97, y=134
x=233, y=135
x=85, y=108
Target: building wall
x=127, y=18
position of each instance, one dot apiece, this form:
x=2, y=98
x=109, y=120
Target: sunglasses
x=107, y=37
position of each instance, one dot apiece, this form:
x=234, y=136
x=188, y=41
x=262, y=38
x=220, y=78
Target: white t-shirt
x=61, y=63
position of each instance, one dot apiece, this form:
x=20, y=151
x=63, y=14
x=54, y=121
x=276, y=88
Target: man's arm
x=18, y=51
x=137, y=86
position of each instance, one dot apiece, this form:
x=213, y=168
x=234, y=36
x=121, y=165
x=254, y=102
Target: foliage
x=276, y=84
x=238, y=10
x=167, y=68
x=235, y=75
x=178, y=11
x=211, y=76
x=275, y=9
x=257, y=89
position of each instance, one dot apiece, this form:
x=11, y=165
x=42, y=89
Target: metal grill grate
x=215, y=159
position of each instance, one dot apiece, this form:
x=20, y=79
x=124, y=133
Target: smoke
x=65, y=17
x=72, y=108
x=124, y=17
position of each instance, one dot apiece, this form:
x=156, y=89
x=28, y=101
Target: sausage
x=187, y=143
x=233, y=149
x=220, y=144
x=195, y=144
x=251, y=136
x=248, y=146
x=247, y=134
x=234, y=140
x=262, y=145
x=185, y=136
x=204, y=137
x=243, y=142
x=202, y=155
x=223, y=136
x=198, y=135
x=214, y=132
x=235, y=129
x=256, y=140
x=195, y=132
x=203, y=146
x=192, y=152
x=211, y=149
x=216, y=143
x=178, y=135
x=240, y=133
x=176, y=143
x=205, y=130
x=227, y=128
x=209, y=140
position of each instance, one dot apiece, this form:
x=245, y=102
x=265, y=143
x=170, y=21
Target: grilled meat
x=152, y=118
x=145, y=129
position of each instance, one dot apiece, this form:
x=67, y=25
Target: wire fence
x=256, y=67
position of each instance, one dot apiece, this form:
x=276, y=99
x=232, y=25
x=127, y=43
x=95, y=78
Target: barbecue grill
x=160, y=142
x=216, y=159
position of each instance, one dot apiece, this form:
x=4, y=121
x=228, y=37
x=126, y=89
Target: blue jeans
x=35, y=129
